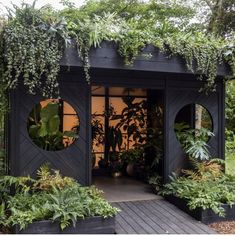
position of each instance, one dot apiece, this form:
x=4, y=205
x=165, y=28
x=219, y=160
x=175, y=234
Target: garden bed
x=205, y=216
x=91, y=225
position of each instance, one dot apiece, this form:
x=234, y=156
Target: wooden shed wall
x=171, y=75
x=26, y=157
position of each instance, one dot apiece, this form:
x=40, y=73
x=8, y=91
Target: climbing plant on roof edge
x=33, y=40
x=32, y=45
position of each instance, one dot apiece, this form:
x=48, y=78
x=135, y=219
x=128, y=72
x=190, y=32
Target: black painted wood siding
x=171, y=75
x=178, y=94
x=107, y=57
x=26, y=157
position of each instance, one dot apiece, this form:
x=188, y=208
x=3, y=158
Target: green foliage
x=220, y=16
x=208, y=194
x=50, y=179
x=194, y=141
x=97, y=131
x=21, y=184
x=134, y=155
x=156, y=182
x=202, y=54
x=230, y=163
x=204, y=185
x=132, y=119
x=204, y=170
x=26, y=208
x=44, y=127
x=33, y=40
x=50, y=197
x=230, y=108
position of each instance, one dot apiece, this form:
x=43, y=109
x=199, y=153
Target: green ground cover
x=230, y=163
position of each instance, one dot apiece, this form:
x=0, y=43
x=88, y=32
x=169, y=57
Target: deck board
x=156, y=217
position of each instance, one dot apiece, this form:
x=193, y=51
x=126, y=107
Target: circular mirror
x=192, y=116
x=53, y=124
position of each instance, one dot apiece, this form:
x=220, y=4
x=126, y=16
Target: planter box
x=91, y=225
x=205, y=216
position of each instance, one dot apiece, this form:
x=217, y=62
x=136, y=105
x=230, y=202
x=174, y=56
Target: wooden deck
x=156, y=217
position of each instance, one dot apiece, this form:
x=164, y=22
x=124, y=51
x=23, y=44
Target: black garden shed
x=167, y=79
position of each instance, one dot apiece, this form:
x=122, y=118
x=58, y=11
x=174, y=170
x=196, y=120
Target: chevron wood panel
x=177, y=98
x=72, y=161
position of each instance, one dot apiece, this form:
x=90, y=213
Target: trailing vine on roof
x=32, y=45
x=201, y=53
x=33, y=40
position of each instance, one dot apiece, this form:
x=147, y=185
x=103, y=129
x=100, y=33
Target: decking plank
x=185, y=218
x=171, y=220
x=119, y=229
x=156, y=217
x=122, y=221
x=132, y=219
x=171, y=217
x=142, y=218
x=158, y=227
x=169, y=225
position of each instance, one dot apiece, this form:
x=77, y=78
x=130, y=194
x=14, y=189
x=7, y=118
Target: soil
x=224, y=227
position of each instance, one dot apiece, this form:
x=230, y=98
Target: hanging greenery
x=33, y=40
x=202, y=54
x=32, y=45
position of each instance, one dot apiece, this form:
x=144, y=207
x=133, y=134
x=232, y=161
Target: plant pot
x=102, y=164
x=90, y=225
x=205, y=216
x=116, y=174
x=130, y=169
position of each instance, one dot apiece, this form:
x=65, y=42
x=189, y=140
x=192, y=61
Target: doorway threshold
x=124, y=189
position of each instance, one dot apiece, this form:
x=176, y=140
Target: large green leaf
x=34, y=115
x=53, y=125
x=43, y=131
x=70, y=134
x=50, y=110
x=33, y=131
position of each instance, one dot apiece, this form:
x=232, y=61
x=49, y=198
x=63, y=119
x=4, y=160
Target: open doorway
x=127, y=141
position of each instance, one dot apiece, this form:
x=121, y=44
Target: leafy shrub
x=134, y=155
x=50, y=197
x=48, y=180
x=194, y=141
x=207, y=194
x=204, y=185
x=156, y=182
x=211, y=169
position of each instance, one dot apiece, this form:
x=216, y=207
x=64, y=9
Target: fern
x=51, y=197
x=48, y=179
x=211, y=169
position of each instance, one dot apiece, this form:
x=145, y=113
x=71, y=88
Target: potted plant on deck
x=53, y=204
